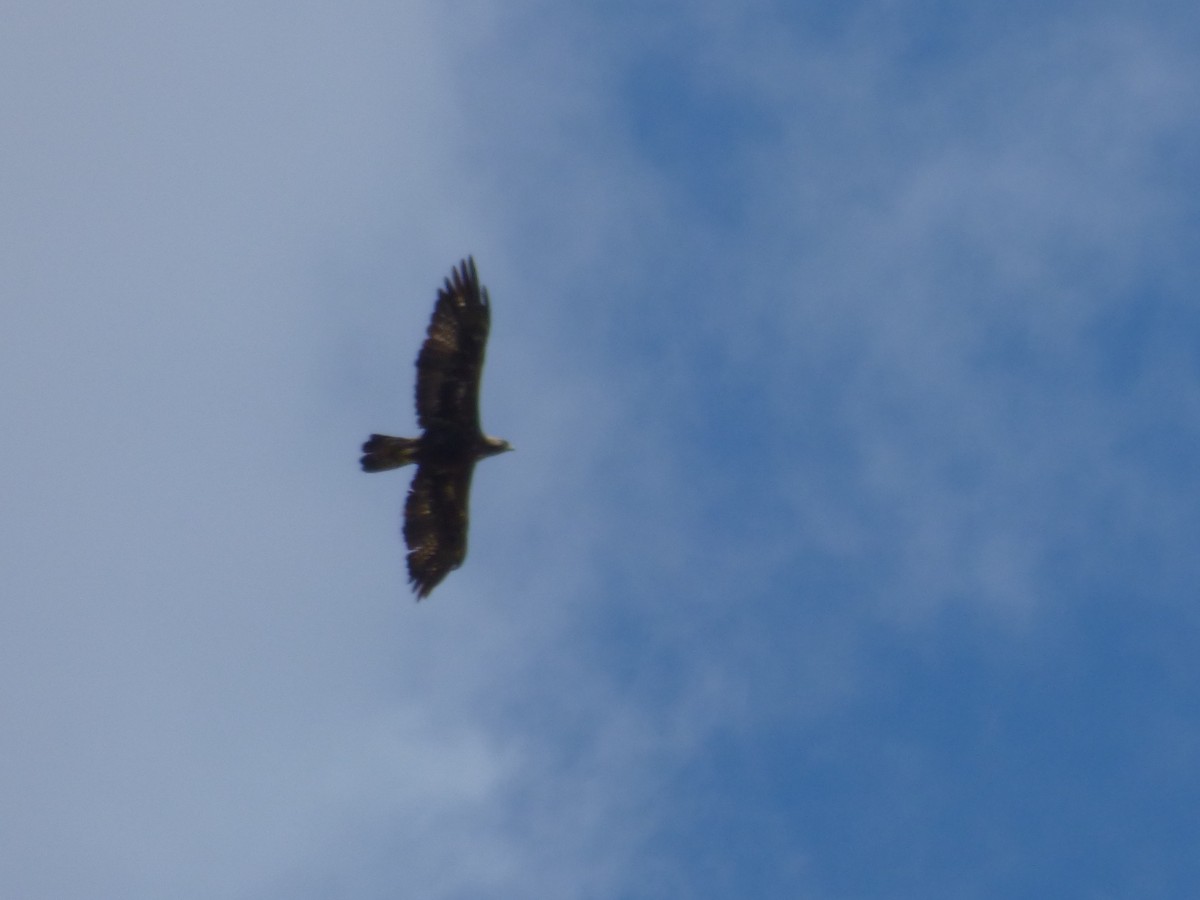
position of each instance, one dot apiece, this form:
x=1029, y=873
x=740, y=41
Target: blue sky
x=852, y=355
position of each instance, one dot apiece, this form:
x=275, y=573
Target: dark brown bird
x=448, y=373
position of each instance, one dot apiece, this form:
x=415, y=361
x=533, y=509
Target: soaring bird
x=449, y=367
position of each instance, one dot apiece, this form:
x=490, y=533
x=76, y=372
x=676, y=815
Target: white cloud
x=748, y=421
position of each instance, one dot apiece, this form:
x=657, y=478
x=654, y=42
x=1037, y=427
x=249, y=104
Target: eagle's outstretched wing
x=451, y=360
x=435, y=522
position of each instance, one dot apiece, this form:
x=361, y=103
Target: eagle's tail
x=381, y=452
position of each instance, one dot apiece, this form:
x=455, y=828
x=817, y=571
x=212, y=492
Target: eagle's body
x=448, y=373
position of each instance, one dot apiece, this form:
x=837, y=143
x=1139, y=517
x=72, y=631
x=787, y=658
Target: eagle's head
x=492, y=446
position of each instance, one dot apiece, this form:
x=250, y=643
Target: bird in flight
x=449, y=367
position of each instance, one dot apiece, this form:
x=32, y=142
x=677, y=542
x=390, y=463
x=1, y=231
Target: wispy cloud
x=849, y=356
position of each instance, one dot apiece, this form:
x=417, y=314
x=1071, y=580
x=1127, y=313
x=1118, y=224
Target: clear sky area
x=851, y=544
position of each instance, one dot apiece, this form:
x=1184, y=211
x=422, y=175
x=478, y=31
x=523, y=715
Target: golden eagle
x=448, y=372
